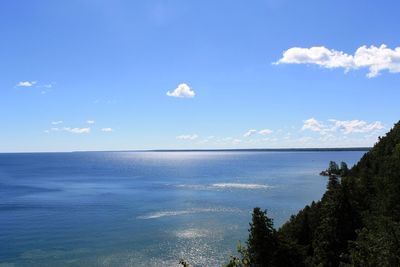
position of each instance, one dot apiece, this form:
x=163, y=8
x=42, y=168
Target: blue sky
x=95, y=75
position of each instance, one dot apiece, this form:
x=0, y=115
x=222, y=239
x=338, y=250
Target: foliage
x=183, y=263
x=356, y=223
x=262, y=242
x=242, y=261
x=334, y=169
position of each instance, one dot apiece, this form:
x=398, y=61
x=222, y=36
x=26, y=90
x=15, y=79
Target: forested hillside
x=356, y=223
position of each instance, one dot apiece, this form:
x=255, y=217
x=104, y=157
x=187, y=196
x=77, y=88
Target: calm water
x=147, y=209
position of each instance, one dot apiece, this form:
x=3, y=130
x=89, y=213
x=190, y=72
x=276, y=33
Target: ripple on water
x=226, y=186
x=160, y=214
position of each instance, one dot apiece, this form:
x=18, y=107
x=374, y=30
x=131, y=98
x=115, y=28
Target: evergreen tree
x=333, y=168
x=344, y=170
x=262, y=242
x=378, y=244
x=337, y=226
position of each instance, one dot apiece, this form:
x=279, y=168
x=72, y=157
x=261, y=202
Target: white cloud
x=69, y=129
x=346, y=126
x=77, y=130
x=56, y=122
x=254, y=132
x=187, y=137
x=107, y=130
x=312, y=125
x=90, y=121
x=250, y=132
x=376, y=59
x=183, y=90
x=357, y=126
x=26, y=83
x=265, y=131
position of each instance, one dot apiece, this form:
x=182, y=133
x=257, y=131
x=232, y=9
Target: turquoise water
x=147, y=208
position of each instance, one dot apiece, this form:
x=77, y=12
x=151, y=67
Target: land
x=356, y=223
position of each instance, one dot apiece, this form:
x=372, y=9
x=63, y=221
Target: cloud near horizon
x=346, y=126
x=375, y=59
x=312, y=124
x=187, y=137
x=183, y=91
x=254, y=131
x=357, y=126
x=265, y=131
x=250, y=132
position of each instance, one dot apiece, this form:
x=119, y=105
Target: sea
x=148, y=208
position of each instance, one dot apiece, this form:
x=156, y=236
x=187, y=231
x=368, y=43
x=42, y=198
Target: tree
x=242, y=261
x=378, y=244
x=333, y=168
x=262, y=242
x=337, y=226
x=344, y=170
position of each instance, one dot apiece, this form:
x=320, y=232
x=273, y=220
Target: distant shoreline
x=263, y=150
x=212, y=150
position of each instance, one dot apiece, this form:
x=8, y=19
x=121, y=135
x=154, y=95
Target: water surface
x=147, y=208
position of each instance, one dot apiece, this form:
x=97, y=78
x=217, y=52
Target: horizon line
x=303, y=149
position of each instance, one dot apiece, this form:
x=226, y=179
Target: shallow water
x=147, y=208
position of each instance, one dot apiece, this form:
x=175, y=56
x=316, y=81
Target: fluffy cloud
x=26, y=83
x=90, y=121
x=187, y=137
x=56, y=122
x=312, y=125
x=254, y=131
x=77, y=130
x=346, y=126
x=183, y=90
x=376, y=59
x=107, y=130
x=265, y=131
x=250, y=132
x=357, y=126
x=67, y=129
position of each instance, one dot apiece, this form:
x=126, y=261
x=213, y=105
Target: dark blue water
x=147, y=209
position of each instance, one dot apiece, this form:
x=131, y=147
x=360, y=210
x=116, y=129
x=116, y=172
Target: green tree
x=333, y=168
x=243, y=260
x=344, y=170
x=337, y=226
x=262, y=242
x=377, y=245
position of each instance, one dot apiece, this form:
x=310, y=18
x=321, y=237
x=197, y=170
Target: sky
x=179, y=74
